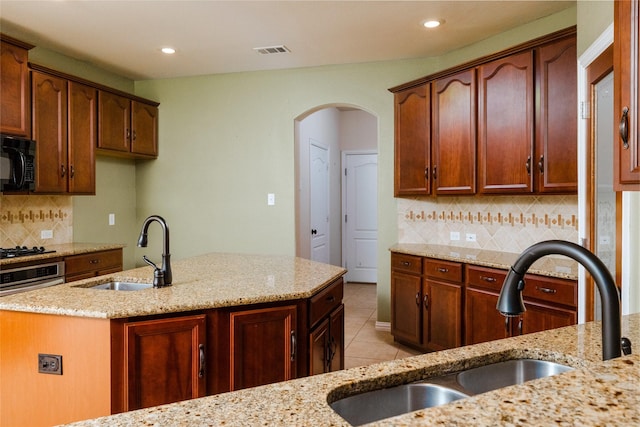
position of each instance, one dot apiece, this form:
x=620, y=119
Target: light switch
x=112, y=219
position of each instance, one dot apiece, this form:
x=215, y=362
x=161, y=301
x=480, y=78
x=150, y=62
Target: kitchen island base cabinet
x=254, y=331
x=164, y=361
x=327, y=344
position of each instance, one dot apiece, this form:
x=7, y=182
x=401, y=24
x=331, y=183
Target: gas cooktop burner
x=22, y=251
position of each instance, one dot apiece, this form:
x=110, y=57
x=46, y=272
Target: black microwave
x=17, y=164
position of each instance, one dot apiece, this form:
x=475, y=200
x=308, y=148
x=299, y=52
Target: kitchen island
x=224, y=317
x=595, y=393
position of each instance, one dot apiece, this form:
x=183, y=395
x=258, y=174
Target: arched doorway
x=327, y=137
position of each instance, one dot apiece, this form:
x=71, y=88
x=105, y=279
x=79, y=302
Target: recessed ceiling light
x=168, y=50
x=432, y=23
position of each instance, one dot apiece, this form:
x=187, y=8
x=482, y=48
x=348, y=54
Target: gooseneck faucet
x=510, y=301
x=165, y=269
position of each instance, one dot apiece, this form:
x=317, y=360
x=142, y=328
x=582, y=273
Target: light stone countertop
x=553, y=266
x=596, y=393
x=62, y=250
x=202, y=282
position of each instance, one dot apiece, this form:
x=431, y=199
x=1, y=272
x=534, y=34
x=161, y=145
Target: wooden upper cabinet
x=114, y=122
x=82, y=138
x=626, y=95
x=453, y=133
x=412, y=141
x=127, y=127
x=49, y=115
x=505, y=124
x=15, y=111
x=556, y=165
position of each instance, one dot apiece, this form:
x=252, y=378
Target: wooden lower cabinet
x=92, y=264
x=482, y=321
x=326, y=340
x=262, y=346
x=164, y=361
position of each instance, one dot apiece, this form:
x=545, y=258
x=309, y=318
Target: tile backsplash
x=503, y=223
x=23, y=218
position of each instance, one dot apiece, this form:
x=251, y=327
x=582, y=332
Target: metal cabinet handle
x=488, y=279
x=527, y=165
x=94, y=261
x=426, y=174
x=128, y=133
x=134, y=135
x=418, y=299
x=443, y=270
x=624, y=128
x=202, y=361
x=435, y=172
x=541, y=164
x=63, y=171
x=406, y=263
x=293, y=346
x=426, y=302
x=506, y=325
x=331, y=298
x=520, y=327
x=72, y=171
x=547, y=290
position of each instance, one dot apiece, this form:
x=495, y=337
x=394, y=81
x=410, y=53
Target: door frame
x=343, y=198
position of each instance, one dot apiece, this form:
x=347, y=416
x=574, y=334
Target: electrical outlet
x=271, y=199
x=454, y=235
x=471, y=237
x=46, y=234
x=50, y=364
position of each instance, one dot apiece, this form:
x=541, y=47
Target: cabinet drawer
x=446, y=270
x=324, y=301
x=549, y=289
x=105, y=260
x=484, y=277
x=408, y=263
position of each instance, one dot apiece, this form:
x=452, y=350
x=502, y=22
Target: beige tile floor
x=364, y=344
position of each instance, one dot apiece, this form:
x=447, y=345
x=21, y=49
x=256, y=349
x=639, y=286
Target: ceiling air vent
x=268, y=50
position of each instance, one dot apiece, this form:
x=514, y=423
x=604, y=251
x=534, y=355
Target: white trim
x=383, y=326
x=600, y=45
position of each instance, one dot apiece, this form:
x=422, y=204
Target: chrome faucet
x=162, y=276
x=510, y=301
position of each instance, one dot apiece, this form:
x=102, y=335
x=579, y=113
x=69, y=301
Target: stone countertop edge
x=199, y=283
x=63, y=250
x=595, y=393
x=552, y=266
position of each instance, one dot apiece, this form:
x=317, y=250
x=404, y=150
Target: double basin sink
x=121, y=286
x=379, y=404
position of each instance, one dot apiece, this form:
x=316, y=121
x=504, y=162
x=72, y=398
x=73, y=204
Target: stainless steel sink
x=379, y=404
x=503, y=374
x=122, y=286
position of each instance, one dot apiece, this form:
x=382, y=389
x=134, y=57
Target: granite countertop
x=202, y=282
x=63, y=250
x=552, y=266
x=595, y=393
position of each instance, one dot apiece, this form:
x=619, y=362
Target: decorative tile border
x=499, y=218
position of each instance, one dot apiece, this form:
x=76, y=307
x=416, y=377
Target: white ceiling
x=219, y=36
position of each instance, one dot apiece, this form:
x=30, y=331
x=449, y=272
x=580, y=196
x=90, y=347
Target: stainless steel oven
x=29, y=277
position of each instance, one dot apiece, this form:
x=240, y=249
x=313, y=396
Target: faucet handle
x=158, y=274
x=148, y=261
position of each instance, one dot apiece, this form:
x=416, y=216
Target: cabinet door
x=252, y=333
x=144, y=123
x=165, y=361
x=482, y=321
x=114, y=127
x=556, y=165
x=442, y=318
x=626, y=149
x=539, y=317
x=49, y=115
x=336, y=339
x=82, y=139
x=505, y=124
x=406, y=307
x=412, y=145
x=453, y=134
x=319, y=341
x=15, y=113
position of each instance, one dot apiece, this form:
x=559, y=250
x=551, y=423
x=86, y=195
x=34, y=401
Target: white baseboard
x=383, y=326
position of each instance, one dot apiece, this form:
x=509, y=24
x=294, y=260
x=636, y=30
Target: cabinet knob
x=624, y=128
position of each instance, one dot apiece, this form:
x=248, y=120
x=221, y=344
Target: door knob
x=314, y=231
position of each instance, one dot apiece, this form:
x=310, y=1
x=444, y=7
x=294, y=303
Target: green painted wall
x=227, y=140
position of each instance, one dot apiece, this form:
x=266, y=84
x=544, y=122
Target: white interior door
x=360, y=206
x=319, y=200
